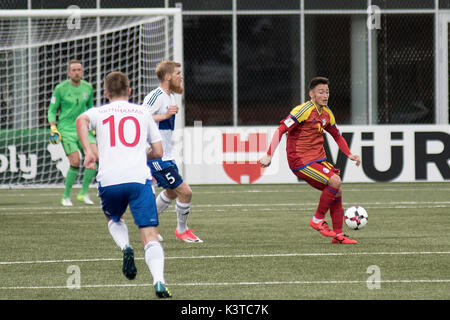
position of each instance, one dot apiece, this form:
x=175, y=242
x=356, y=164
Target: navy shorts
x=140, y=197
x=167, y=178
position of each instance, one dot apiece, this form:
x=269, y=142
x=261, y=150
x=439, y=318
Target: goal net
x=35, y=49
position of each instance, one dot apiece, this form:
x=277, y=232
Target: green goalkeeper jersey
x=71, y=102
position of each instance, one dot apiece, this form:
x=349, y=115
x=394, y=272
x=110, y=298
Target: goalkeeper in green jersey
x=72, y=97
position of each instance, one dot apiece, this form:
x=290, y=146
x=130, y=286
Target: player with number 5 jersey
x=124, y=132
x=161, y=104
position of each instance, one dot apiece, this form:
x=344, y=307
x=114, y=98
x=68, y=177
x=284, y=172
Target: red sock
x=326, y=201
x=337, y=215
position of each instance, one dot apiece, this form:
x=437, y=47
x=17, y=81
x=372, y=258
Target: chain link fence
x=252, y=67
x=405, y=69
x=268, y=75
x=208, y=71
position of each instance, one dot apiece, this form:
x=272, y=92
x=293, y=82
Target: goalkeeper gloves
x=55, y=136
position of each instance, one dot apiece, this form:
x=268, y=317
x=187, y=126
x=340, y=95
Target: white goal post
x=35, y=48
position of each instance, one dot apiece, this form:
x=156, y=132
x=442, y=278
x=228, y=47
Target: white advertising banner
x=400, y=153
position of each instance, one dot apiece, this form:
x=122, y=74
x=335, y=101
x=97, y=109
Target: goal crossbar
x=54, y=13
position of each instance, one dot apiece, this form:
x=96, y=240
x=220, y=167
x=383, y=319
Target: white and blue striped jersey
x=158, y=102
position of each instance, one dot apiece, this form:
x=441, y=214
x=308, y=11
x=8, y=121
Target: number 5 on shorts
x=169, y=178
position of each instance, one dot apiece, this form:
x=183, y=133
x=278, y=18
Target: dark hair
x=117, y=84
x=316, y=81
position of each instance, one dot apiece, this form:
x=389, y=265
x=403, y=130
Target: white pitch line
x=218, y=191
x=401, y=204
x=306, y=282
x=242, y=208
x=274, y=255
x=242, y=283
x=315, y=204
x=289, y=189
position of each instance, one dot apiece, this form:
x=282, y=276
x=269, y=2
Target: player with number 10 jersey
x=124, y=133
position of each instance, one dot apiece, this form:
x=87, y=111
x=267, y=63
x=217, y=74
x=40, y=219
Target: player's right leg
x=318, y=176
x=183, y=208
x=143, y=209
x=323, y=176
x=114, y=201
x=72, y=174
x=167, y=175
x=69, y=141
x=154, y=258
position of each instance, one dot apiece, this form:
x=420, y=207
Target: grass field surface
x=257, y=245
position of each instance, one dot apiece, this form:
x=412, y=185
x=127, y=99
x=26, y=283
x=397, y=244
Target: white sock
x=162, y=202
x=315, y=220
x=182, y=210
x=154, y=257
x=119, y=232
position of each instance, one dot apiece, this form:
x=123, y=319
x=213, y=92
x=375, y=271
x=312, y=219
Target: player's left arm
x=340, y=140
x=342, y=144
x=82, y=126
x=155, y=151
x=155, y=106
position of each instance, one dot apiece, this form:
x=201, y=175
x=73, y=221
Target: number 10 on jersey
x=112, y=130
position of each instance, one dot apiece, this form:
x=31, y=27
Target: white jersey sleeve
x=158, y=102
x=152, y=102
x=92, y=115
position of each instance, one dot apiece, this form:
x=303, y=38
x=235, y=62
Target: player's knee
x=172, y=195
x=186, y=196
x=148, y=234
x=74, y=161
x=335, y=182
x=185, y=193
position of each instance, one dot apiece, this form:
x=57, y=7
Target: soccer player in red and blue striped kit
x=307, y=159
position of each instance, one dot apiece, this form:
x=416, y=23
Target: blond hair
x=166, y=67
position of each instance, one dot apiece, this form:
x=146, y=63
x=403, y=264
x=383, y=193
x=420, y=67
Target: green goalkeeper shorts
x=71, y=143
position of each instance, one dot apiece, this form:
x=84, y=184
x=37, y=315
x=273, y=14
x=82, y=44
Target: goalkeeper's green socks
x=88, y=175
x=71, y=177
